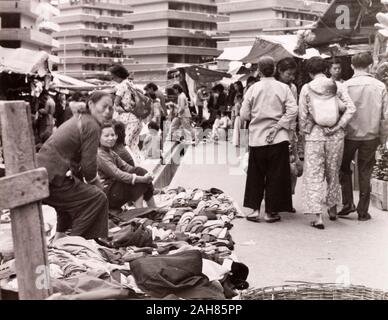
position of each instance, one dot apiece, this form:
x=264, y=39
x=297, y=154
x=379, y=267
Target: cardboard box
x=379, y=194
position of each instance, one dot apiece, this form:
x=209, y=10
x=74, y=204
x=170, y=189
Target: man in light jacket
x=365, y=132
x=270, y=107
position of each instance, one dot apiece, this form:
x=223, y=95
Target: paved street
x=292, y=250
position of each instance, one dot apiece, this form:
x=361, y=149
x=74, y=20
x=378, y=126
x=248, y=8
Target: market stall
x=181, y=249
x=21, y=70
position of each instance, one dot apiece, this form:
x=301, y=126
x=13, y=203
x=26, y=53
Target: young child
x=225, y=124
x=152, y=142
x=238, y=99
x=216, y=126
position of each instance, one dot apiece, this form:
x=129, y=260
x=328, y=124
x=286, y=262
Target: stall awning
x=24, y=61
x=204, y=75
x=278, y=47
x=62, y=80
x=346, y=21
x=235, y=54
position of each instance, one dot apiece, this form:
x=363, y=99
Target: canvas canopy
x=204, y=75
x=346, y=21
x=278, y=47
x=25, y=61
x=235, y=53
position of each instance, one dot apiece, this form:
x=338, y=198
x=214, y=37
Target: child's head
x=223, y=114
x=108, y=136
x=153, y=127
x=218, y=115
x=335, y=69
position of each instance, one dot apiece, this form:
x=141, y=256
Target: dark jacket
x=112, y=168
x=73, y=146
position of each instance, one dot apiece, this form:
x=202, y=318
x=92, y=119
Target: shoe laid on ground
x=316, y=225
x=347, y=210
x=364, y=217
x=293, y=210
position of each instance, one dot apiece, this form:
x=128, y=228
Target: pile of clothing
x=182, y=249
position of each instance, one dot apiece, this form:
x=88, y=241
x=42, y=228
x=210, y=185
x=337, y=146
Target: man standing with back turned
x=365, y=132
x=271, y=108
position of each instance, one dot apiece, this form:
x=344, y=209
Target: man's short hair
x=286, y=64
x=178, y=87
x=266, y=66
x=152, y=86
x=316, y=65
x=362, y=60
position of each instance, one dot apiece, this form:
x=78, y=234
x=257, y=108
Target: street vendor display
x=181, y=249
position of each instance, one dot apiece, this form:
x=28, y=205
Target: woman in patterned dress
x=323, y=145
x=123, y=104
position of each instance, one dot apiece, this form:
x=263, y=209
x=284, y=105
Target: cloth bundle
x=133, y=234
x=166, y=274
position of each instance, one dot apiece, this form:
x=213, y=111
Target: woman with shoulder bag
x=324, y=111
x=126, y=106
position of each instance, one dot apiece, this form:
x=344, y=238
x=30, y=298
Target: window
x=13, y=44
x=174, y=41
x=176, y=58
x=175, y=23
x=10, y=20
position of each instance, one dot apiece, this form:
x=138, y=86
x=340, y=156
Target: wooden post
x=26, y=215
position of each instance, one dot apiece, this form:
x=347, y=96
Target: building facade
x=92, y=36
x=248, y=18
x=170, y=32
x=27, y=24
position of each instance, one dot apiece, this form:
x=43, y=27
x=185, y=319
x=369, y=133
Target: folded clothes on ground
x=163, y=246
x=133, y=234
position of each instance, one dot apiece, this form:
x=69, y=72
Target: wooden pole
x=26, y=220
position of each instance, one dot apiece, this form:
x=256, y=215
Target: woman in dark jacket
x=70, y=157
x=122, y=183
x=120, y=147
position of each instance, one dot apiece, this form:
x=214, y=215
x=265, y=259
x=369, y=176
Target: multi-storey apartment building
x=248, y=18
x=92, y=36
x=168, y=32
x=27, y=24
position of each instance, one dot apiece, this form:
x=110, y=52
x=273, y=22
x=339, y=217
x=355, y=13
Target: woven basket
x=315, y=291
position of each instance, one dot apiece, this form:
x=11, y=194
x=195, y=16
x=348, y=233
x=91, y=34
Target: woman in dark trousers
x=70, y=157
x=122, y=183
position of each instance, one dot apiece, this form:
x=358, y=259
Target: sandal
x=316, y=225
x=253, y=218
x=273, y=218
